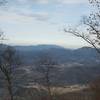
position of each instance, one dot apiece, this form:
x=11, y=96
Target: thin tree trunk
x=49, y=93
x=10, y=91
x=10, y=87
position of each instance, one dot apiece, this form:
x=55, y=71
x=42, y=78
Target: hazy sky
x=29, y=22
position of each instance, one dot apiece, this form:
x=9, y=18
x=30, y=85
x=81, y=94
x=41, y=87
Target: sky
x=32, y=22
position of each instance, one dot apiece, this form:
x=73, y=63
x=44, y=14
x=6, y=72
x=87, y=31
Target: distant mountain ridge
x=82, y=55
x=37, y=47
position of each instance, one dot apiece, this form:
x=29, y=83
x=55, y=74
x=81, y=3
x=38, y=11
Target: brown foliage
x=95, y=87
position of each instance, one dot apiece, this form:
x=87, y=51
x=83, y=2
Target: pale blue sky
x=29, y=22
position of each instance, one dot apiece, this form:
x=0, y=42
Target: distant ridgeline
x=84, y=55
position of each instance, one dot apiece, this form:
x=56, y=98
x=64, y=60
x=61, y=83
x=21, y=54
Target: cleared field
x=37, y=92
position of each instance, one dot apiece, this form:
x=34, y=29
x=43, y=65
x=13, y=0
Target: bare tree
x=90, y=32
x=6, y=58
x=6, y=66
x=90, y=26
x=8, y=61
x=46, y=66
